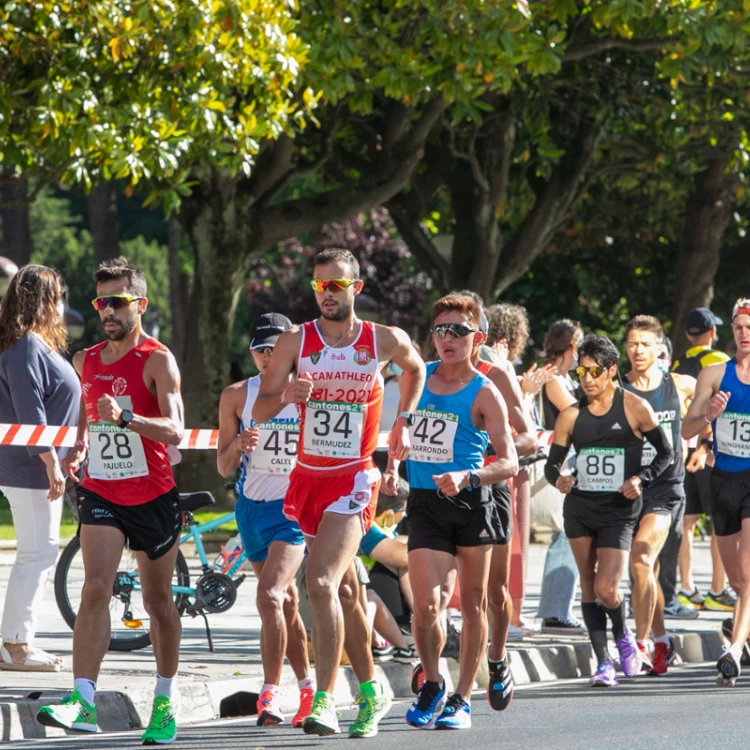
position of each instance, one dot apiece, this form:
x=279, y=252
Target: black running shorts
x=437, y=523
x=501, y=498
x=609, y=519
x=698, y=492
x=664, y=501
x=152, y=527
x=730, y=493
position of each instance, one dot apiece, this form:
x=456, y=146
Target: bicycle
x=215, y=591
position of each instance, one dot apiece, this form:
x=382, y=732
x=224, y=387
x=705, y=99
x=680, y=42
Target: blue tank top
x=732, y=428
x=443, y=437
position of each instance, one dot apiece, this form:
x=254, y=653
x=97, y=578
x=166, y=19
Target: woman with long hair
x=37, y=387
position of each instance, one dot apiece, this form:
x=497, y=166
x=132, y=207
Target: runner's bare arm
x=708, y=403
x=275, y=383
x=525, y=440
x=229, y=448
x=558, y=451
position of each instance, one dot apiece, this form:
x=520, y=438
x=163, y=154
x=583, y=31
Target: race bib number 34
x=733, y=434
x=432, y=436
x=333, y=429
x=601, y=469
x=276, y=452
x=115, y=453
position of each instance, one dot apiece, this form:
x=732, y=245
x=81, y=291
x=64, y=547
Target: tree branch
x=602, y=45
x=469, y=156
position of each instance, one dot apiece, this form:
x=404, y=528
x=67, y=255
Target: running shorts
x=502, y=499
x=261, y=524
x=698, y=492
x=665, y=501
x=609, y=519
x=730, y=493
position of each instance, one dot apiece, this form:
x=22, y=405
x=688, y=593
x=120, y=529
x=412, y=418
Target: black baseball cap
x=701, y=320
x=267, y=328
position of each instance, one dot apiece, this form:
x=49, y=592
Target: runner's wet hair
x=121, y=268
x=560, y=336
x=600, y=349
x=509, y=322
x=645, y=323
x=462, y=303
x=337, y=255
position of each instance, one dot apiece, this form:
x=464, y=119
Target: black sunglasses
x=457, y=330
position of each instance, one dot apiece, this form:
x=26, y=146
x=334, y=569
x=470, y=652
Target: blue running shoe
x=456, y=714
x=427, y=704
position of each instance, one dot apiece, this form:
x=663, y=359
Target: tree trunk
x=707, y=215
x=14, y=219
x=179, y=289
x=103, y=220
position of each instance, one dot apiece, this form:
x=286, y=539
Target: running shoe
x=676, y=610
x=162, y=729
x=456, y=714
x=371, y=710
x=73, y=712
x=728, y=665
x=722, y=602
x=428, y=702
x=417, y=678
x=562, y=627
x=630, y=656
x=727, y=629
x=382, y=653
x=452, y=641
x=500, y=687
x=405, y=655
x=269, y=709
x=692, y=598
x=305, y=704
x=605, y=675
x=664, y=656
x=322, y=719
x=646, y=664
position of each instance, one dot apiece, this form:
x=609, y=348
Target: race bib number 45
x=733, y=434
x=601, y=469
x=276, y=452
x=432, y=436
x=333, y=429
x=115, y=453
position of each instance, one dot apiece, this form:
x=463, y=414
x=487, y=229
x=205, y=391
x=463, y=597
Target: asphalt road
x=676, y=711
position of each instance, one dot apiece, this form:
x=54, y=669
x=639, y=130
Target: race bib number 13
x=333, y=429
x=733, y=434
x=115, y=453
x=601, y=469
x=432, y=436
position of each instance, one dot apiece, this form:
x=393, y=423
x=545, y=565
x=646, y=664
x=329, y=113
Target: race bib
x=115, y=453
x=601, y=469
x=432, y=436
x=733, y=434
x=333, y=429
x=649, y=452
x=276, y=452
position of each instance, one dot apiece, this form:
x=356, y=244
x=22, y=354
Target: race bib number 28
x=333, y=429
x=432, y=436
x=601, y=469
x=115, y=453
x=733, y=434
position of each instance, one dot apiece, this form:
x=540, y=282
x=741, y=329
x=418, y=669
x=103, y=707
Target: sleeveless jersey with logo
x=443, y=437
x=339, y=424
x=732, y=428
x=696, y=358
x=264, y=473
x=665, y=401
x=550, y=412
x=608, y=451
x=124, y=467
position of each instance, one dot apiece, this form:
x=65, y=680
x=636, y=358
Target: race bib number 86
x=432, y=436
x=333, y=429
x=601, y=469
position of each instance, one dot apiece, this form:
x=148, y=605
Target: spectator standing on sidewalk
x=38, y=387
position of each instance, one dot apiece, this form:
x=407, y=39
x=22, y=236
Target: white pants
x=37, y=524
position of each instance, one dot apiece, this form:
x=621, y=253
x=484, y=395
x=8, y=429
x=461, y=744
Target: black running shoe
x=727, y=628
x=500, y=688
x=727, y=665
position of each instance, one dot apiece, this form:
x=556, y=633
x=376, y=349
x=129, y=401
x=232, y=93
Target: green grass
x=68, y=526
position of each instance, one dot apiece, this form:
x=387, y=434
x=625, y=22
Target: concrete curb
x=202, y=700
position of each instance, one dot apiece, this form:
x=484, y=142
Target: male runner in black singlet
x=603, y=501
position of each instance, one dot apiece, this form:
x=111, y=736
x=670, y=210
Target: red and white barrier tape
x=65, y=437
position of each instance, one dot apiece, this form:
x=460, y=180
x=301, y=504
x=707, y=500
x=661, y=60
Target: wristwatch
x=126, y=417
x=409, y=417
x=475, y=481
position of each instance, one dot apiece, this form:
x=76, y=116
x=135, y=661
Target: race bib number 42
x=601, y=469
x=432, y=436
x=276, y=452
x=115, y=453
x=733, y=434
x=333, y=429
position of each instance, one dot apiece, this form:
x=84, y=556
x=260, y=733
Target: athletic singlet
x=264, y=473
x=443, y=437
x=608, y=451
x=339, y=424
x=665, y=401
x=124, y=467
x=550, y=412
x=696, y=358
x=732, y=428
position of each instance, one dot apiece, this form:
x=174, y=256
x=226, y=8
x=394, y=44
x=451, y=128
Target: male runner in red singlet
x=131, y=411
x=334, y=486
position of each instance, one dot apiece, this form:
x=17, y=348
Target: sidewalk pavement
x=206, y=679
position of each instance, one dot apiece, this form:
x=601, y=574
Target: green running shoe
x=371, y=711
x=322, y=719
x=162, y=729
x=72, y=713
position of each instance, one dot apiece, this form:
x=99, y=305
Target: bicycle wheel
x=127, y=601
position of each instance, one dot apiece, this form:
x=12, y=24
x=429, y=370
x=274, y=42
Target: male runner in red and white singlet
x=334, y=486
x=131, y=411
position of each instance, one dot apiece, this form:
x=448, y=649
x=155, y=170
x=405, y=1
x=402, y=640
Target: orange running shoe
x=269, y=712
x=305, y=704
